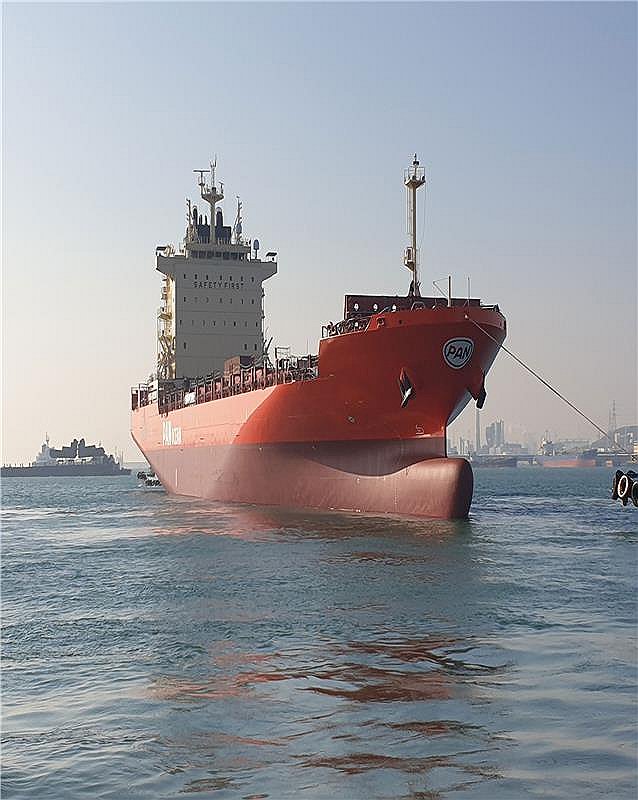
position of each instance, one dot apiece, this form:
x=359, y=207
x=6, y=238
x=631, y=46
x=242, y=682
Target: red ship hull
x=342, y=440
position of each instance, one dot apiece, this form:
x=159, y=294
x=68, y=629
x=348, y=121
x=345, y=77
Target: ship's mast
x=414, y=178
x=211, y=194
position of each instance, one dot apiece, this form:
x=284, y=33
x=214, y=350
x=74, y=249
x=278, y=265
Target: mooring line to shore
x=548, y=385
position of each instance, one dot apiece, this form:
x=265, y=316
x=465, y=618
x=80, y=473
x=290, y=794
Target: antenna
x=238, y=223
x=414, y=178
x=201, y=183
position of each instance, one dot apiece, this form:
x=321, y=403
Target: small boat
x=149, y=480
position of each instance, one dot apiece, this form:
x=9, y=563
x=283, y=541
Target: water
x=155, y=647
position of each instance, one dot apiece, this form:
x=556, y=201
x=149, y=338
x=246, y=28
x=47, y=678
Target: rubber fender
x=624, y=487
x=634, y=493
x=614, y=485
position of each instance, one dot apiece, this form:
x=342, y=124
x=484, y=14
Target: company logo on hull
x=457, y=352
x=171, y=434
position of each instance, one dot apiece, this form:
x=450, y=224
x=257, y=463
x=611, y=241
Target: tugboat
x=74, y=459
x=359, y=426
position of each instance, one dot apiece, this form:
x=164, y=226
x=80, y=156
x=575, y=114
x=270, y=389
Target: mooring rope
x=549, y=386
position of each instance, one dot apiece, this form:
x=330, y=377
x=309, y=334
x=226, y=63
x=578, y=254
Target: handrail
x=215, y=386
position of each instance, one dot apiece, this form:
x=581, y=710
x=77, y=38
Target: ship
x=554, y=456
x=76, y=459
x=358, y=426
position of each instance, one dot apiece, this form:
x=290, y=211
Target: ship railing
x=359, y=322
x=351, y=325
x=215, y=387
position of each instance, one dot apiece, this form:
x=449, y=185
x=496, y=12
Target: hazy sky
x=523, y=114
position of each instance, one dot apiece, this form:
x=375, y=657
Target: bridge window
x=184, y=345
x=245, y=346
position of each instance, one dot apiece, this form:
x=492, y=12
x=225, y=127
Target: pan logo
x=457, y=352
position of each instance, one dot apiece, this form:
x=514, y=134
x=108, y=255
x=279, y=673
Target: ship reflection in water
x=335, y=712
x=334, y=689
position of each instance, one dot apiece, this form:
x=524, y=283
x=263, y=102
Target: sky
x=523, y=114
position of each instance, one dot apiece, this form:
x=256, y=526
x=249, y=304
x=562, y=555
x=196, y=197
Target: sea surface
x=159, y=647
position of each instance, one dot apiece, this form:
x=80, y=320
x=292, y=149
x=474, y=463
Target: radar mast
x=210, y=193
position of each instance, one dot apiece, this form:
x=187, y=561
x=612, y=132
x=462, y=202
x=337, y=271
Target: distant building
x=495, y=434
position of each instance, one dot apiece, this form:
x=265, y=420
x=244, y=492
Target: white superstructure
x=212, y=294
x=43, y=458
